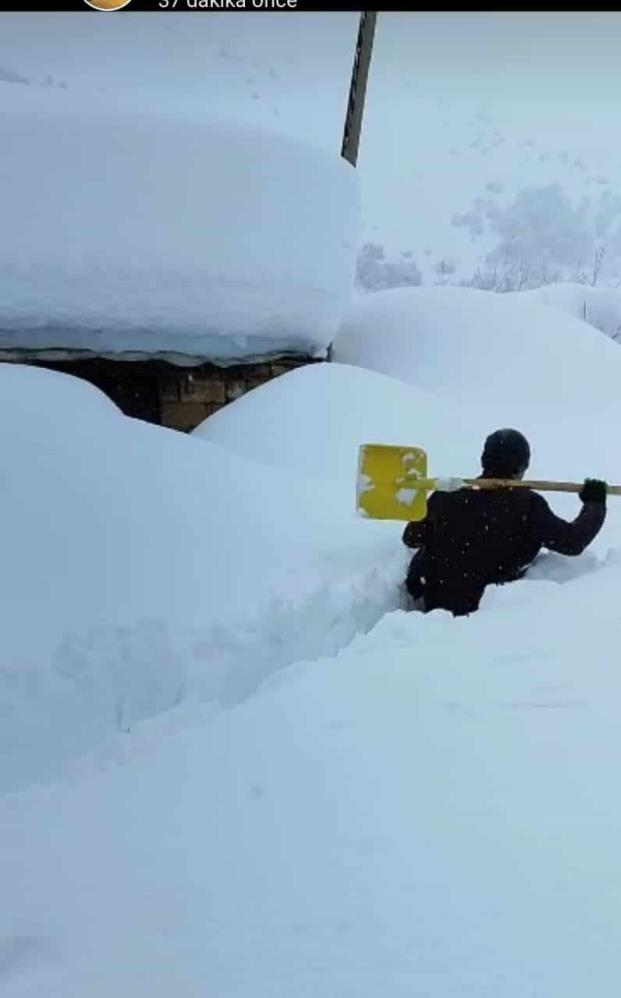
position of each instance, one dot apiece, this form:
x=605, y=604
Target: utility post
x=358, y=86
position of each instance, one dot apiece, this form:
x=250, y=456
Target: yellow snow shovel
x=393, y=484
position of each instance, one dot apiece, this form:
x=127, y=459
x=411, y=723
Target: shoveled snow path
x=105, y=678
x=431, y=813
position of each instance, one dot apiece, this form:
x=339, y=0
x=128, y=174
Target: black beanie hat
x=506, y=453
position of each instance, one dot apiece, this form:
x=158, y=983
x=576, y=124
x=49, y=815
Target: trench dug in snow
x=104, y=682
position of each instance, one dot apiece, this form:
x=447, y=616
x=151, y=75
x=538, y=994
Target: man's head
x=506, y=454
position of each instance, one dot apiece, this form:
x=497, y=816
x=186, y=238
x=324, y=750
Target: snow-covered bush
x=374, y=272
x=542, y=236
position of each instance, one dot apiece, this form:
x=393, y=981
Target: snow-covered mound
x=126, y=232
x=505, y=352
x=160, y=567
x=46, y=404
x=140, y=566
x=314, y=419
x=329, y=410
x=600, y=307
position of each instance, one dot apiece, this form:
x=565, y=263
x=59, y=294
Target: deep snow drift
x=330, y=410
x=479, y=347
x=418, y=806
x=600, y=307
x=142, y=566
x=461, y=363
x=147, y=233
x=429, y=814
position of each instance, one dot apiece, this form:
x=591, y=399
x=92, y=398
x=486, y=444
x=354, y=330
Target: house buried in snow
x=173, y=263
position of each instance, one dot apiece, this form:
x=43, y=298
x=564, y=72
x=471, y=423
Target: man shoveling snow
x=470, y=539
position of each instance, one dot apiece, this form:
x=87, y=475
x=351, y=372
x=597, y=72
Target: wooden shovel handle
x=537, y=486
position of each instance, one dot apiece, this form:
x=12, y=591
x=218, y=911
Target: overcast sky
x=555, y=77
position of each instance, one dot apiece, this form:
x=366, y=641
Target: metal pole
x=358, y=86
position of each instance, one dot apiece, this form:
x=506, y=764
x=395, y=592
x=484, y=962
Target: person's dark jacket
x=470, y=539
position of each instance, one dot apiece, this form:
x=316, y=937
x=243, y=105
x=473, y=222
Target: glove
x=593, y=491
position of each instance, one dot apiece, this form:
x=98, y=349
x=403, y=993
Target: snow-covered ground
x=431, y=813
x=232, y=764
x=600, y=307
x=507, y=355
x=142, y=566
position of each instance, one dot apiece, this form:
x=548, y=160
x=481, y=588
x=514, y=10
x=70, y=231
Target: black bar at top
x=194, y=6
x=238, y=6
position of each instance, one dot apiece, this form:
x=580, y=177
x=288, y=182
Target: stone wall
x=177, y=397
x=189, y=395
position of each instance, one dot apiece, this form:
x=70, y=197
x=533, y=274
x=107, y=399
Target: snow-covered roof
x=132, y=234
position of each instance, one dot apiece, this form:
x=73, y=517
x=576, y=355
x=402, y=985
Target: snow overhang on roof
x=133, y=234
x=58, y=354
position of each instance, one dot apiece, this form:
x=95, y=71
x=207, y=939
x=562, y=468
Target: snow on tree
x=543, y=236
x=375, y=273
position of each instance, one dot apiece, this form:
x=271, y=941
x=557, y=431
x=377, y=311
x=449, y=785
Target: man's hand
x=593, y=490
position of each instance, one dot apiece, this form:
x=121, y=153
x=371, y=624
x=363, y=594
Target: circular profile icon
x=107, y=4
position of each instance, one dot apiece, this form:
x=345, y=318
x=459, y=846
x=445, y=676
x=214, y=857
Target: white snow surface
x=429, y=813
x=331, y=409
x=262, y=776
x=141, y=566
x=130, y=232
x=600, y=307
x=482, y=348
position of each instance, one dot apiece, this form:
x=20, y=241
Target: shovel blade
x=386, y=485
